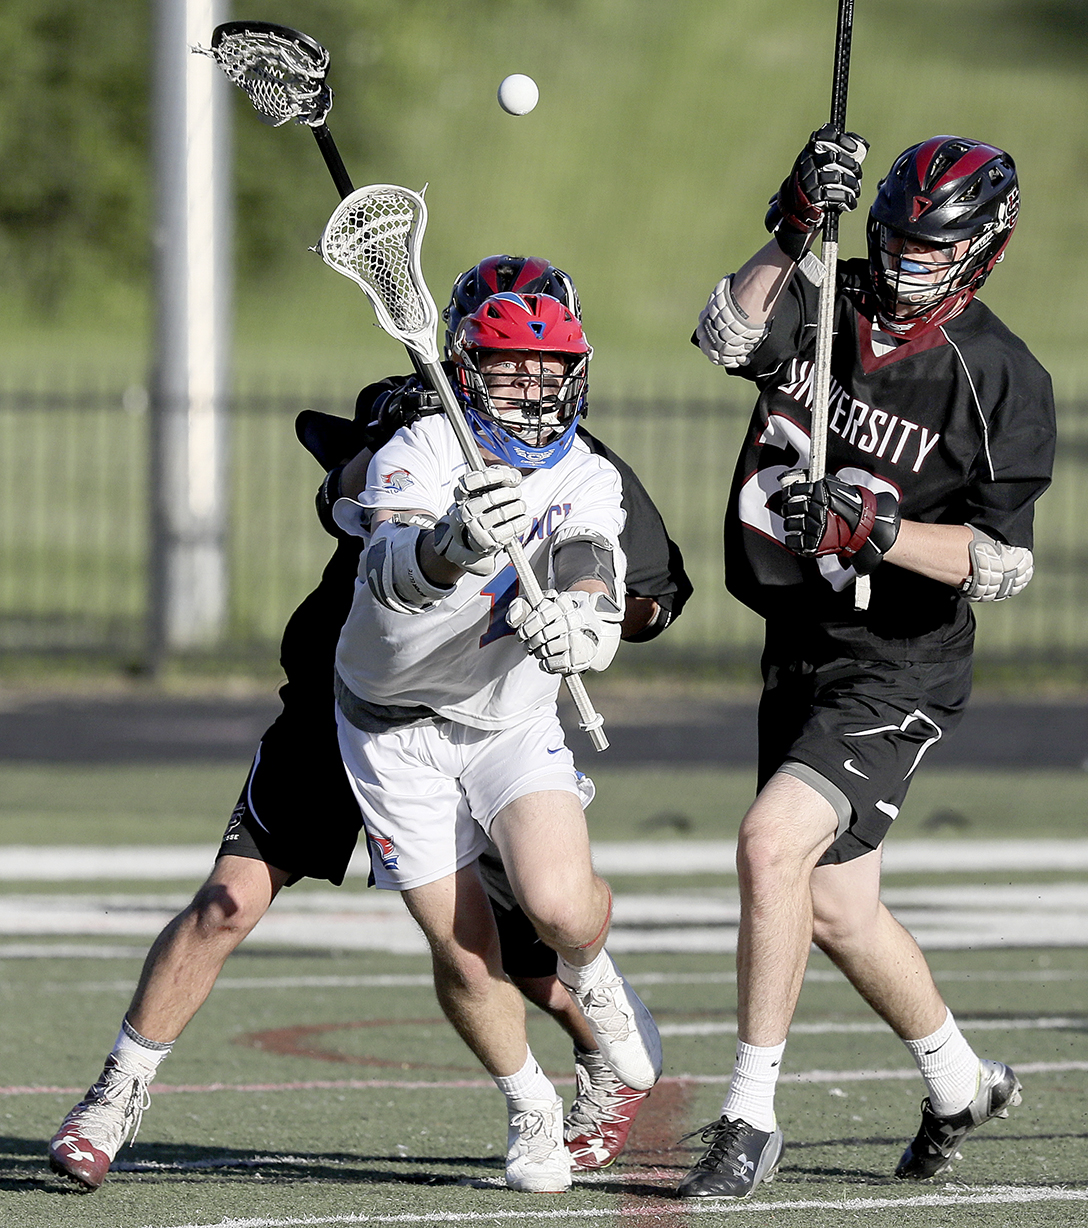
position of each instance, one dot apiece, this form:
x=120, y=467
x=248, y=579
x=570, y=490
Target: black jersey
x=958, y=423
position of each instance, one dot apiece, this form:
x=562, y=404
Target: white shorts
x=429, y=794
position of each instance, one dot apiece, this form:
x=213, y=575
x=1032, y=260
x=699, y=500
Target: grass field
x=320, y=1085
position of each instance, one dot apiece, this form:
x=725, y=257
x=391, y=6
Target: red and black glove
x=833, y=517
x=826, y=175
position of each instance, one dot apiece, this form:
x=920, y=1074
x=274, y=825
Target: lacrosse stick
x=829, y=252
x=282, y=72
x=374, y=237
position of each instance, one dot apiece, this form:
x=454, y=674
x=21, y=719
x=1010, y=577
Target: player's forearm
x=639, y=614
x=759, y=283
x=938, y=551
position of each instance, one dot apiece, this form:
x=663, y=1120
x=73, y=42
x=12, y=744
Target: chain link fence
x=75, y=538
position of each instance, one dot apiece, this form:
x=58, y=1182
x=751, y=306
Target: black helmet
x=506, y=274
x=946, y=190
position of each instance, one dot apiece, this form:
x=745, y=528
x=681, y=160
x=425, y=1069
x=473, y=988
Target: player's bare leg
x=483, y=1006
x=185, y=959
x=783, y=835
x=489, y=1015
x=545, y=848
x=875, y=953
x=544, y=844
x=885, y=965
x=178, y=974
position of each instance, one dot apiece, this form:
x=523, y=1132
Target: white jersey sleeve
x=461, y=659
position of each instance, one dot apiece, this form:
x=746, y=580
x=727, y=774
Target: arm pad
x=997, y=571
x=724, y=333
x=393, y=570
x=587, y=556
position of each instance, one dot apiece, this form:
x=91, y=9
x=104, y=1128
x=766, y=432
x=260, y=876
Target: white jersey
x=461, y=659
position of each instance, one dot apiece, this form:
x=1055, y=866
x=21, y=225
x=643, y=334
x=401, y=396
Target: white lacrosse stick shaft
x=374, y=237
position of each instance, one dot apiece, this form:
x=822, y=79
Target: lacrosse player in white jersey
x=446, y=685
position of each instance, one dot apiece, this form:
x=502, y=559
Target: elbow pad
x=583, y=555
x=393, y=571
x=724, y=333
x=997, y=571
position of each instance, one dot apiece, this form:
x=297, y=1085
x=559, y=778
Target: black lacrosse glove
x=397, y=407
x=826, y=175
x=833, y=517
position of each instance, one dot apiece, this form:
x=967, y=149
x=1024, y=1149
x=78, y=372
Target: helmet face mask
x=521, y=367
x=938, y=226
x=915, y=278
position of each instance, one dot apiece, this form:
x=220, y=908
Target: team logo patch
x=397, y=480
x=387, y=850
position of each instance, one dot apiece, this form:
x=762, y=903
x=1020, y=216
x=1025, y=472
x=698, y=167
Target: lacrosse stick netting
x=374, y=237
x=280, y=70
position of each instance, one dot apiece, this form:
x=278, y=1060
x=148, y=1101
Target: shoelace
x=721, y=1135
x=601, y=1098
x=610, y=1014
x=532, y=1129
x=97, y=1112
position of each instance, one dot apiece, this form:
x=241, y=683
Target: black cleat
x=737, y=1159
x=938, y=1140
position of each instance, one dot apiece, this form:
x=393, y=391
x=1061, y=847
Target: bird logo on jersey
x=387, y=850
x=397, y=480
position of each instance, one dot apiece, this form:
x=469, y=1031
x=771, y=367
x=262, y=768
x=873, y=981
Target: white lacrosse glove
x=568, y=632
x=487, y=515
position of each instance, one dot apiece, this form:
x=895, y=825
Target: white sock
x=529, y=1083
x=585, y=977
x=949, y=1066
x=751, y=1091
x=136, y=1048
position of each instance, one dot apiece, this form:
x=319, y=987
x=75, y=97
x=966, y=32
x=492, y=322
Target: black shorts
x=296, y=810
x=860, y=728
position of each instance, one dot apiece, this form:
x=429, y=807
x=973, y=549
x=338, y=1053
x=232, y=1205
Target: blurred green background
x=645, y=171
x=661, y=132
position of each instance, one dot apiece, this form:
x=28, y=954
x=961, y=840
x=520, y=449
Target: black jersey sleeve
x=655, y=566
x=1017, y=430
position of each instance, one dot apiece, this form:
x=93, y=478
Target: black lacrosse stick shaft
x=333, y=161
x=839, y=84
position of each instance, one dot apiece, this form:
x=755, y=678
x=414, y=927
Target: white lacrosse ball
x=518, y=94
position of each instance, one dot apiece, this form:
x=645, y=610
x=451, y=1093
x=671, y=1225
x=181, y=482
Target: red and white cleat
x=95, y=1130
x=603, y=1112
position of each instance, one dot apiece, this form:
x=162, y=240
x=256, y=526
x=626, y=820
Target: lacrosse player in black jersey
x=297, y=816
x=940, y=440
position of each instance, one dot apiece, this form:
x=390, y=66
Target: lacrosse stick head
x=374, y=237
x=280, y=70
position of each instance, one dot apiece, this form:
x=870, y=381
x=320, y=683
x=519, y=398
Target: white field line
x=950, y=917
x=971, y=1196
x=655, y=857
x=727, y=1027
x=425, y=981
x=408, y=1085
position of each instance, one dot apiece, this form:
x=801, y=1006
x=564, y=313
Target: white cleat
x=623, y=1028
x=537, y=1160
x=95, y=1130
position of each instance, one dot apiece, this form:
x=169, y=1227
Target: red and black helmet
x=536, y=430
x=946, y=190
x=506, y=275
